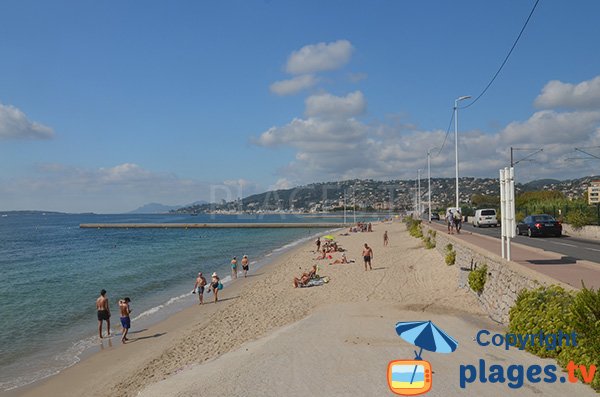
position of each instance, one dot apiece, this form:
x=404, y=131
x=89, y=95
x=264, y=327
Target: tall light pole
x=462, y=98
x=429, y=179
x=419, y=193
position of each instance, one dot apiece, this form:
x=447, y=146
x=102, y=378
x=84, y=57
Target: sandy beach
x=266, y=338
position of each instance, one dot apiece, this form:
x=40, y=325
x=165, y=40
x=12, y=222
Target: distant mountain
x=539, y=184
x=381, y=195
x=157, y=208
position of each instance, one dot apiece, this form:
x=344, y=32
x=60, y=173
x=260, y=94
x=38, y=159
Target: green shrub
x=578, y=218
x=429, y=240
x=586, y=320
x=544, y=308
x=477, y=278
x=450, y=255
x=414, y=228
x=553, y=309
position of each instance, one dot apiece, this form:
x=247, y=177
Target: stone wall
x=504, y=279
x=586, y=232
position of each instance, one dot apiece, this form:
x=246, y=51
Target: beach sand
x=268, y=339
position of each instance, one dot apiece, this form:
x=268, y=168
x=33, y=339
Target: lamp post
x=429, y=179
x=462, y=98
x=419, y=193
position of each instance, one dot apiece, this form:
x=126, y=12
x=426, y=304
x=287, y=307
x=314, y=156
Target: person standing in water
x=125, y=310
x=245, y=265
x=199, y=288
x=234, y=267
x=103, y=312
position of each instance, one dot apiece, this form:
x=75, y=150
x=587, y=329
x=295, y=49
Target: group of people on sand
x=361, y=227
x=454, y=221
x=103, y=312
x=367, y=254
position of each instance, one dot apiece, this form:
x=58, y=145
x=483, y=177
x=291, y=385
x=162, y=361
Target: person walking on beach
x=234, y=267
x=125, y=310
x=103, y=312
x=214, y=286
x=245, y=265
x=199, y=288
x=318, y=242
x=385, y=239
x=367, y=256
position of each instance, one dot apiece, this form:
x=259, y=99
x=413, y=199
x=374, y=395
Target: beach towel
x=315, y=282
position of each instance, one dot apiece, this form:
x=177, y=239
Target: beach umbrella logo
x=414, y=377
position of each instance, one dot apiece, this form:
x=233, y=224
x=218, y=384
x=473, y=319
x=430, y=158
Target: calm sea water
x=51, y=272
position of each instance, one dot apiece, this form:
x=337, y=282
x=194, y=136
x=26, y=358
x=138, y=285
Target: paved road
x=572, y=248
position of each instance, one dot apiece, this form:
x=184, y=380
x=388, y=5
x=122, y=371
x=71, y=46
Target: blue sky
x=106, y=106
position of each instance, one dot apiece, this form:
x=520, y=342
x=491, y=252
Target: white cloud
x=548, y=126
x=294, y=85
x=556, y=94
x=120, y=188
x=330, y=144
x=14, y=124
x=327, y=105
x=282, y=184
x=319, y=57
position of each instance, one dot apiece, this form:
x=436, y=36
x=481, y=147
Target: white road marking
x=592, y=249
x=568, y=245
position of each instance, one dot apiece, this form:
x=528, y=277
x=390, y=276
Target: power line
x=447, y=132
x=505, y=59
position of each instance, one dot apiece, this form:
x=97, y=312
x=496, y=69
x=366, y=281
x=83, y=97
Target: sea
x=52, y=271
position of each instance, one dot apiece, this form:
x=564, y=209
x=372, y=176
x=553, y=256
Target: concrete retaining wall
x=586, y=232
x=504, y=279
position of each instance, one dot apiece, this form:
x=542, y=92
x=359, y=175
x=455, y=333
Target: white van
x=485, y=216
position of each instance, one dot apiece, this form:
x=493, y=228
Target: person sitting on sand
x=322, y=255
x=305, y=277
x=344, y=260
x=214, y=286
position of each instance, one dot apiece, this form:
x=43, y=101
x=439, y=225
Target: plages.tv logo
x=414, y=377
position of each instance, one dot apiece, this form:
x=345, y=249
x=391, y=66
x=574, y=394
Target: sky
x=106, y=106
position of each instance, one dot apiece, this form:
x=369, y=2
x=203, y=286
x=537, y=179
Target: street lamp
x=429, y=179
x=462, y=98
x=419, y=194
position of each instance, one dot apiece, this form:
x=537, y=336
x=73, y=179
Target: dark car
x=435, y=216
x=539, y=225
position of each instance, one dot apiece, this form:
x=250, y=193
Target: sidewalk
x=551, y=264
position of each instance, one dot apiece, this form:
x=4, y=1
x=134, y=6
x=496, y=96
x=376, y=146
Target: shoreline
x=266, y=338
x=154, y=319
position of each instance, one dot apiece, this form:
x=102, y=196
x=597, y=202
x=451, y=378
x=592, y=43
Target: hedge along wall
x=504, y=279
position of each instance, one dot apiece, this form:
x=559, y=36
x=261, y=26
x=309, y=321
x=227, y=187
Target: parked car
x=539, y=225
x=485, y=217
x=435, y=216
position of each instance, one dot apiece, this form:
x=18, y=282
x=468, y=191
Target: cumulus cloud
x=556, y=94
x=548, y=126
x=293, y=85
x=14, y=124
x=319, y=57
x=327, y=105
x=330, y=143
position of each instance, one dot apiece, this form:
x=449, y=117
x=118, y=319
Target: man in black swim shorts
x=103, y=312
